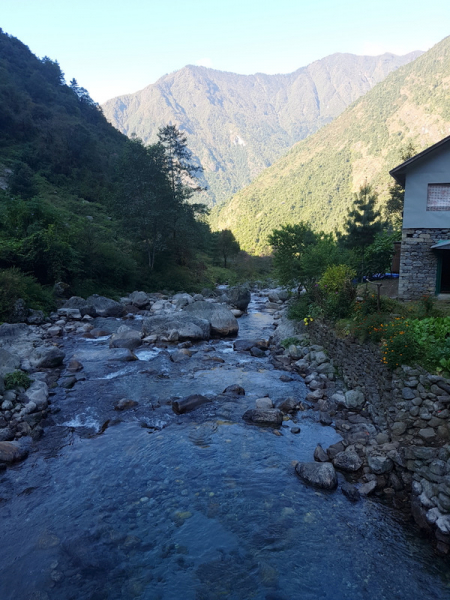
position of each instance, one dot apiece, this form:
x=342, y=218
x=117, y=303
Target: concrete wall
x=433, y=169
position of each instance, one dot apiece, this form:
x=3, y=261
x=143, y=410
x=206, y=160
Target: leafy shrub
x=369, y=327
x=338, y=292
x=289, y=342
x=399, y=346
x=17, y=379
x=15, y=284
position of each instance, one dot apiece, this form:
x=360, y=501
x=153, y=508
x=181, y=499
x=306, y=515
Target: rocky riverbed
x=176, y=450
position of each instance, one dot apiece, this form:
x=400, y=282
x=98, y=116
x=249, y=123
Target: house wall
x=433, y=169
x=418, y=263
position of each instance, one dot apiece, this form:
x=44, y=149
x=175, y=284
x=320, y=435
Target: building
x=425, y=249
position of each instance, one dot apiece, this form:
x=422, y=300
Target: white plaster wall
x=432, y=169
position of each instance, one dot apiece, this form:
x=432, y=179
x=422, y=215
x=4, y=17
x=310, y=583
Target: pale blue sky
x=116, y=47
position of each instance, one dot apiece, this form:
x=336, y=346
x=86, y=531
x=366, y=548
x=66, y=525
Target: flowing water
x=149, y=505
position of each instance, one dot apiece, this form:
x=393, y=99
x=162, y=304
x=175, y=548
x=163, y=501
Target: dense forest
x=83, y=205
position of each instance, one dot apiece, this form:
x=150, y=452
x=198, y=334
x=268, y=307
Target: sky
x=117, y=47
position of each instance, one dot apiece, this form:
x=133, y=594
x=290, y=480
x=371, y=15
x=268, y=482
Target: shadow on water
x=193, y=507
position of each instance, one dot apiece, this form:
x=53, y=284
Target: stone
x=180, y=355
x=222, y=321
x=427, y=434
x=354, y=399
x=320, y=358
x=367, y=488
x=351, y=492
x=442, y=523
x=130, y=339
x=257, y=352
x=264, y=403
x=320, y=455
x=11, y=452
x=9, y=362
x=295, y=430
x=139, y=299
x=347, y=461
x=289, y=405
x=189, y=327
x=321, y=475
x=47, y=357
x=315, y=396
x=379, y=464
x=334, y=449
x=35, y=317
x=182, y=300
x=125, y=403
x=234, y=389
x=189, y=404
x=37, y=393
x=271, y=416
x=6, y=434
x=325, y=418
x=239, y=297
x=408, y=394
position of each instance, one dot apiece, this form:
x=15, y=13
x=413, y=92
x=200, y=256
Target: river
x=149, y=505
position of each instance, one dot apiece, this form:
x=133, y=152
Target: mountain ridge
x=316, y=179
x=237, y=125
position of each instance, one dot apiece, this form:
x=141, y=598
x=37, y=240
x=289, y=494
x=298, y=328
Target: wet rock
x=222, y=321
x=11, y=452
x=105, y=307
x=189, y=404
x=334, y=449
x=320, y=455
x=239, y=297
x=368, y=488
x=264, y=403
x=47, y=357
x=234, y=389
x=74, y=366
x=263, y=416
x=257, y=352
x=6, y=434
x=180, y=355
x=347, y=461
x=286, y=378
x=321, y=475
x=182, y=300
x=289, y=405
x=35, y=317
x=8, y=362
x=295, y=430
x=325, y=418
x=187, y=326
x=125, y=403
x=351, y=492
x=129, y=338
x=139, y=299
x=247, y=345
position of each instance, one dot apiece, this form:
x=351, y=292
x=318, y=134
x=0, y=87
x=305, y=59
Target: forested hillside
x=315, y=181
x=238, y=124
x=82, y=204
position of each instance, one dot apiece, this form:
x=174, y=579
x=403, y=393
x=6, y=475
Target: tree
x=227, y=245
x=363, y=223
x=394, y=204
x=289, y=245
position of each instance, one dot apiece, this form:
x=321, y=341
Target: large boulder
x=182, y=300
x=8, y=362
x=139, y=299
x=128, y=338
x=11, y=452
x=221, y=319
x=95, y=306
x=239, y=297
x=321, y=475
x=46, y=357
x=177, y=326
x=347, y=461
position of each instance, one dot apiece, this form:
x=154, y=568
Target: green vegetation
x=315, y=181
x=82, y=204
x=240, y=124
x=17, y=379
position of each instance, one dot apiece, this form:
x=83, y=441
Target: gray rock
x=347, y=461
x=289, y=405
x=234, y=389
x=70, y=313
x=222, y=321
x=407, y=393
x=130, y=339
x=398, y=428
x=350, y=491
x=125, y=403
x=379, y=464
x=320, y=455
x=11, y=452
x=189, y=404
x=428, y=434
x=35, y=317
x=182, y=300
x=8, y=362
x=47, y=357
x=325, y=418
x=180, y=355
x=443, y=524
x=139, y=299
x=354, y=399
x=263, y=403
x=367, y=488
x=105, y=307
x=271, y=416
x=257, y=352
x=321, y=475
x=239, y=297
x=188, y=327
x=6, y=434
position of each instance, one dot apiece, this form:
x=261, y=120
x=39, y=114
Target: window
x=438, y=196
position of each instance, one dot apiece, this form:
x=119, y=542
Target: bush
x=338, y=292
x=15, y=284
x=369, y=327
x=17, y=379
x=399, y=344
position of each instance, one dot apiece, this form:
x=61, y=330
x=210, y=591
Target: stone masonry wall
x=410, y=409
x=418, y=263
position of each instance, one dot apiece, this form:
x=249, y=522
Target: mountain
x=315, y=180
x=237, y=125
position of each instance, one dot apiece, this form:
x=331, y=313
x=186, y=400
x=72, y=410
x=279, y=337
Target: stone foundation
x=418, y=263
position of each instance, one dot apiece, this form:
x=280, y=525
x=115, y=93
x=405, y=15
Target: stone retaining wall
x=411, y=408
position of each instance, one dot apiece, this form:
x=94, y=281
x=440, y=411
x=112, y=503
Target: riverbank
x=395, y=425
